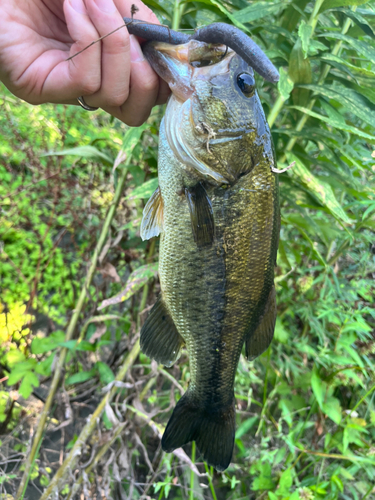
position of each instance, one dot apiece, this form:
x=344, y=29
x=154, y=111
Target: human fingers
x=143, y=90
x=128, y=82
x=65, y=79
x=115, y=54
x=164, y=92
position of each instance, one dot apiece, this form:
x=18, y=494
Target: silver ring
x=85, y=106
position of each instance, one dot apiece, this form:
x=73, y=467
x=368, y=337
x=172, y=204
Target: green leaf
x=340, y=124
x=331, y=407
x=257, y=10
x=156, y=6
x=305, y=32
x=338, y=62
x=293, y=14
x=318, y=188
x=80, y=377
x=144, y=191
x=369, y=93
x=264, y=481
x=363, y=48
x=281, y=334
x=330, y=4
x=318, y=386
x=69, y=344
x=359, y=21
x=131, y=139
x=136, y=281
x=295, y=496
x=285, y=482
x=323, y=393
x=285, y=84
x=27, y=384
x=40, y=345
x=349, y=98
x=20, y=370
x=222, y=9
x=84, y=345
x=246, y=426
x=7, y=477
x=14, y=357
x=299, y=66
x=105, y=373
x=83, y=152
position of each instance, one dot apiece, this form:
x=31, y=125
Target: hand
x=38, y=36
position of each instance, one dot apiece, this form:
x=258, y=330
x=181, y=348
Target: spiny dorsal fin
x=160, y=339
x=259, y=341
x=152, y=222
x=201, y=215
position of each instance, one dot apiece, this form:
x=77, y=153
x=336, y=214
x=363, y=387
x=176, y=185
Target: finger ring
x=85, y=106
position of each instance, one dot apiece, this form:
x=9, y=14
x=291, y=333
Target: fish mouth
x=184, y=67
x=181, y=65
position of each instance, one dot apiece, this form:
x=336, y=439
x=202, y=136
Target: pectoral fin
x=160, y=339
x=152, y=222
x=259, y=341
x=201, y=215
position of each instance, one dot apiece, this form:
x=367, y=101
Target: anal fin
x=259, y=341
x=201, y=215
x=152, y=221
x=160, y=339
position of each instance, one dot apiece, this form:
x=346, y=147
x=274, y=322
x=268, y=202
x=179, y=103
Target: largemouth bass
x=217, y=211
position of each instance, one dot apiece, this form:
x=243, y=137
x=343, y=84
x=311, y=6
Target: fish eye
x=246, y=84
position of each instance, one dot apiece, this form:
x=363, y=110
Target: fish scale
x=217, y=211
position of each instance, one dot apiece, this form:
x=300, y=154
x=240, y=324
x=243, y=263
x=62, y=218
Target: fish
x=217, y=213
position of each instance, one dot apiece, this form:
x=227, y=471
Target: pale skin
x=38, y=36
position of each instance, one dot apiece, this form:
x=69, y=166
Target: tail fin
x=212, y=430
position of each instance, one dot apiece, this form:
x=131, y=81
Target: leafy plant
x=305, y=409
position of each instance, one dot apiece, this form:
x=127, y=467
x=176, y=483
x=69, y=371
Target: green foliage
x=305, y=409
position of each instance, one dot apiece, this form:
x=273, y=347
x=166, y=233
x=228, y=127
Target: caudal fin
x=212, y=430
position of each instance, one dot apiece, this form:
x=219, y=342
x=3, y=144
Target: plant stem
x=86, y=432
x=274, y=113
x=313, y=21
x=277, y=107
x=339, y=251
x=146, y=388
x=192, y=472
x=103, y=450
x=178, y=11
x=209, y=477
x=280, y=101
x=142, y=305
x=323, y=76
x=68, y=336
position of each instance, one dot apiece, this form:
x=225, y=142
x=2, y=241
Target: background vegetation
x=72, y=188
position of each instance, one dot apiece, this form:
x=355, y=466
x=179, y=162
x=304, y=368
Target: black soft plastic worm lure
x=214, y=33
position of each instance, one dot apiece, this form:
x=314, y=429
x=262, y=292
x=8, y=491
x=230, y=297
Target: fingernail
x=78, y=6
x=106, y=6
x=136, y=54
